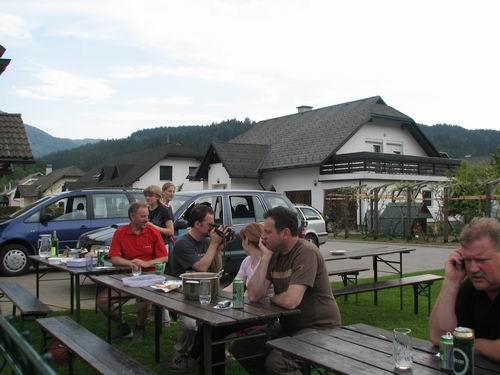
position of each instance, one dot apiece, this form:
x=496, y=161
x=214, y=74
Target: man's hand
x=454, y=269
x=215, y=238
x=266, y=252
x=141, y=263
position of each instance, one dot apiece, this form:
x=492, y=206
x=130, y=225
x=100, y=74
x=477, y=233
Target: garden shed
x=392, y=220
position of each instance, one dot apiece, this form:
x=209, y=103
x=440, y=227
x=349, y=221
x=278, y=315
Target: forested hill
x=458, y=141
x=454, y=140
x=198, y=138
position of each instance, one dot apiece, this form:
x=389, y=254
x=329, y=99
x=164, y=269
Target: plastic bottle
x=54, y=250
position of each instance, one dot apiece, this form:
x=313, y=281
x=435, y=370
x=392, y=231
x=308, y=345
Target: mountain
x=459, y=142
x=43, y=143
x=196, y=137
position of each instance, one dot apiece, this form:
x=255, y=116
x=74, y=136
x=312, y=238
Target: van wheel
x=311, y=238
x=14, y=260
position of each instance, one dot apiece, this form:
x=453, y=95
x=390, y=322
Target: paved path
x=425, y=258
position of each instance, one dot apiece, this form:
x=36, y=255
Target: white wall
x=180, y=170
x=386, y=133
x=58, y=185
x=219, y=178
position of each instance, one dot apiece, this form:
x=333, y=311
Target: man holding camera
x=470, y=295
x=198, y=250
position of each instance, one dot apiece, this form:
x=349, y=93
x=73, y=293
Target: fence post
x=408, y=214
x=375, y=214
x=445, y=215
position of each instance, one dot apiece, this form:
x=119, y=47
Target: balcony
x=373, y=162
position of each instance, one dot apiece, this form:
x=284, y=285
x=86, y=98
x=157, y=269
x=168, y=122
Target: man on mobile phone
x=470, y=295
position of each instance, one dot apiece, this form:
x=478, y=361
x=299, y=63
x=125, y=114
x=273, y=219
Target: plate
x=337, y=252
x=167, y=286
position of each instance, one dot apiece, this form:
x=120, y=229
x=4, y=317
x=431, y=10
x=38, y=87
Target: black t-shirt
x=476, y=310
x=159, y=216
x=187, y=251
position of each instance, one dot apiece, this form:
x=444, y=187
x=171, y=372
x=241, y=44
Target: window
x=70, y=208
x=214, y=201
x=395, y=148
x=376, y=148
x=374, y=145
x=427, y=198
x=165, y=173
x=242, y=209
x=110, y=205
x=275, y=201
x=310, y=214
x=192, y=170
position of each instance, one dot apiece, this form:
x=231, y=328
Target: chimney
x=48, y=169
x=304, y=108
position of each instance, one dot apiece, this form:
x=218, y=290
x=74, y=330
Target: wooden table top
x=207, y=314
x=79, y=270
x=363, y=349
x=374, y=251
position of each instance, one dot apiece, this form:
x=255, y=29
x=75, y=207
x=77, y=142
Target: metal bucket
x=191, y=283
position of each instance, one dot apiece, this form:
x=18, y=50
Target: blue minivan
x=70, y=214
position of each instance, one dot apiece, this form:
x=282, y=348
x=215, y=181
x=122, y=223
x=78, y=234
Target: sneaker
x=139, y=333
x=124, y=332
x=182, y=363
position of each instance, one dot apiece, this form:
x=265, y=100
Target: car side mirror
x=46, y=218
x=181, y=224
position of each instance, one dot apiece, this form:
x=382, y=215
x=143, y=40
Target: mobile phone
x=223, y=304
x=459, y=265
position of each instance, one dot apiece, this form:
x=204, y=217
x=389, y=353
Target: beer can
x=158, y=268
x=238, y=293
x=463, y=351
x=100, y=258
x=446, y=351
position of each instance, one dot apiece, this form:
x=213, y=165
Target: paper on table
x=167, y=286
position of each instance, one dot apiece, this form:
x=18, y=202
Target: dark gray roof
x=3, y=62
x=14, y=144
x=309, y=138
x=45, y=182
x=123, y=170
x=239, y=159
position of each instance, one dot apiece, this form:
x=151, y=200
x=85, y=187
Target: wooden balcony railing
x=372, y=162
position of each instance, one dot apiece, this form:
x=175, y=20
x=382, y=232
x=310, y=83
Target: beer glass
x=403, y=349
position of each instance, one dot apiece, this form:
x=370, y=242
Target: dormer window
x=377, y=148
x=374, y=145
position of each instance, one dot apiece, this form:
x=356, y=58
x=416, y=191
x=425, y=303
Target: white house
x=155, y=166
x=310, y=154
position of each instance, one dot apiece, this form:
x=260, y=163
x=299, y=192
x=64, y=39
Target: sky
x=106, y=68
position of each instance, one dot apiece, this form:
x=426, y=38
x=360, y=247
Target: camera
x=227, y=233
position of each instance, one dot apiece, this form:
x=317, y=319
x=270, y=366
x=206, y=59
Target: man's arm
x=443, y=317
x=259, y=284
x=291, y=298
x=203, y=264
x=488, y=348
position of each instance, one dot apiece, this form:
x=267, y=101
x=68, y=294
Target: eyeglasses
x=149, y=195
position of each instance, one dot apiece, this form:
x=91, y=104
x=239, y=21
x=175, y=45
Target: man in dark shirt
x=198, y=250
x=298, y=273
x=475, y=301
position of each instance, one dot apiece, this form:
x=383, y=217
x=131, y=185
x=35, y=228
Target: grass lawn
x=386, y=315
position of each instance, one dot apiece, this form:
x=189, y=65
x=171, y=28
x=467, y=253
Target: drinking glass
x=205, y=292
x=403, y=349
x=136, y=270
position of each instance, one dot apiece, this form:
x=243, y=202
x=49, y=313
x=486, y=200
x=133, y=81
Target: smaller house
x=154, y=166
x=53, y=182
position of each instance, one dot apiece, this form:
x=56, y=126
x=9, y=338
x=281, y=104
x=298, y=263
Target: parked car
x=315, y=227
x=234, y=208
x=69, y=213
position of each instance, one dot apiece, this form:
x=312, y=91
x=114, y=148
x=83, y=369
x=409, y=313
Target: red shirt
x=147, y=245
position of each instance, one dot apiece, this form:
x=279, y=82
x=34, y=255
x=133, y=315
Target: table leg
x=207, y=349
x=71, y=292
x=37, y=270
x=375, y=279
x=400, y=276
x=158, y=323
x=77, y=297
x=109, y=315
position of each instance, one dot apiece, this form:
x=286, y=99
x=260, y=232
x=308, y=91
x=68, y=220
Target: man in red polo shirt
x=134, y=245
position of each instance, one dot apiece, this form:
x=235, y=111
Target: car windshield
x=178, y=201
x=27, y=208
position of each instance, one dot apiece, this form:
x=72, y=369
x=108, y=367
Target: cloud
x=13, y=27
x=161, y=101
x=59, y=85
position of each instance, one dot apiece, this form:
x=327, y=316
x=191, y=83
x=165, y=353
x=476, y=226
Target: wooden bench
x=28, y=305
x=18, y=353
x=100, y=355
x=348, y=275
x=421, y=286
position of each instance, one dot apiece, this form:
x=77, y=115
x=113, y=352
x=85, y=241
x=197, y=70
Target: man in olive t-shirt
x=298, y=273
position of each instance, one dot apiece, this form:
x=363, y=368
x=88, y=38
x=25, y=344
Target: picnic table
x=74, y=277
x=378, y=255
x=209, y=318
x=363, y=349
